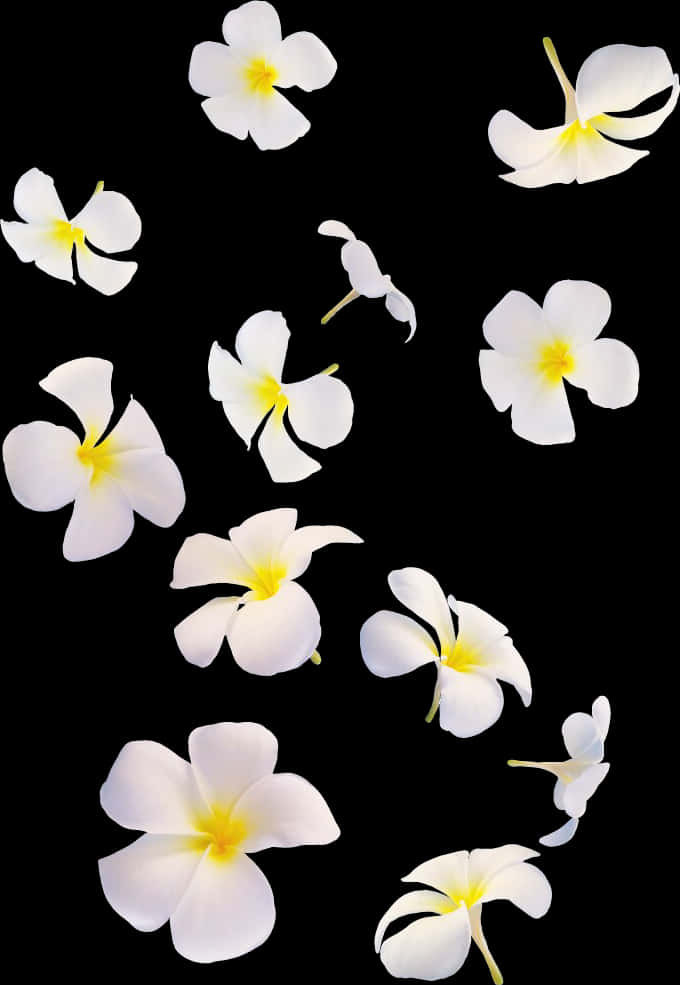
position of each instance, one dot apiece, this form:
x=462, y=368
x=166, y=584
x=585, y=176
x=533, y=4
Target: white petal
x=516, y=326
x=558, y=167
x=420, y=592
x=419, y=901
x=544, y=417
x=227, y=910
x=394, y=644
x=29, y=242
x=470, y=703
x=145, y=881
x=602, y=715
x=202, y=633
x=57, y=261
x=580, y=790
x=244, y=400
x=476, y=628
x=331, y=227
x=259, y=539
x=448, y=873
x=110, y=222
x=42, y=465
x=576, y=310
x=601, y=158
x=518, y=144
x=228, y=113
x=149, y=788
x=36, y=199
x=619, y=77
x=103, y=274
x=429, y=948
x=522, y=884
x=276, y=634
x=284, y=811
x=320, y=410
x=634, y=127
x=135, y=431
x=261, y=344
x=152, y=485
x=102, y=521
x=228, y=758
x=561, y=835
x=207, y=560
x=305, y=61
x=274, y=122
x=212, y=69
x=582, y=737
x=485, y=863
x=85, y=385
x=362, y=267
x=401, y=308
x=505, y=378
x=284, y=460
x=296, y=552
x=253, y=28
x=609, y=372
x=503, y=661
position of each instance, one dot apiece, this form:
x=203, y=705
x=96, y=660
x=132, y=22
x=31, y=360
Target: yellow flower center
x=269, y=578
x=260, y=76
x=461, y=658
x=555, y=361
x=66, y=235
x=100, y=457
x=575, y=132
x=222, y=833
x=467, y=895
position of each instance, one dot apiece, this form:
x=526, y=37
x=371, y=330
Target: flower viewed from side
x=469, y=664
x=436, y=946
x=272, y=627
x=107, y=479
x=203, y=820
x=319, y=409
x=578, y=777
x=46, y=237
x=535, y=349
x=613, y=79
x=365, y=276
x=241, y=77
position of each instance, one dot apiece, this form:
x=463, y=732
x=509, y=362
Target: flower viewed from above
x=272, y=627
x=613, y=79
x=46, y=237
x=436, y=946
x=469, y=663
x=578, y=777
x=535, y=349
x=241, y=77
x=203, y=820
x=107, y=479
x=365, y=276
x=319, y=409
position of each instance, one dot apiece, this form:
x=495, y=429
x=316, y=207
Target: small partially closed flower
x=435, y=947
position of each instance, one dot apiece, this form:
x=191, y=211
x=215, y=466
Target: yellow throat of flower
x=260, y=76
x=462, y=657
x=221, y=833
x=555, y=361
x=67, y=235
x=100, y=457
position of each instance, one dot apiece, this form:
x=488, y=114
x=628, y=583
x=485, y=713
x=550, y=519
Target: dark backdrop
x=557, y=542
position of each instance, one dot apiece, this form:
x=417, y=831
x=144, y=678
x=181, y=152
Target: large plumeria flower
x=46, y=237
x=613, y=79
x=365, y=276
x=319, y=409
x=106, y=478
x=536, y=349
x=203, y=820
x=272, y=627
x=241, y=77
x=435, y=947
x=469, y=664
x=578, y=777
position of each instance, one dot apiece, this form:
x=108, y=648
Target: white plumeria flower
x=202, y=821
x=319, y=409
x=241, y=77
x=469, y=664
x=536, y=349
x=47, y=237
x=578, y=777
x=435, y=947
x=107, y=479
x=365, y=276
x=613, y=79
x=272, y=627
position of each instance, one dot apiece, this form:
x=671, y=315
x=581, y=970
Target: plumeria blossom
x=203, y=820
x=535, y=349
x=436, y=946
x=319, y=409
x=469, y=664
x=272, y=627
x=46, y=237
x=241, y=78
x=613, y=79
x=365, y=276
x=579, y=776
x=107, y=479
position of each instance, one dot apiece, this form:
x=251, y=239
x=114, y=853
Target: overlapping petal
x=305, y=61
x=283, y=811
x=619, y=77
x=204, y=559
x=42, y=466
x=362, y=267
x=429, y=948
x=202, y=633
x=296, y=550
x=110, y=222
x=85, y=386
x=104, y=274
x=275, y=634
x=393, y=644
x=419, y=901
x=36, y=199
x=420, y=592
x=230, y=757
x=285, y=461
x=320, y=410
x=470, y=702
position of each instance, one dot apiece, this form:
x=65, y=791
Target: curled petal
x=562, y=835
x=202, y=633
x=503, y=661
x=485, y=863
x=102, y=521
x=619, y=77
x=42, y=465
x=362, y=267
x=420, y=592
x=284, y=460
x=393, y=644
x=207, y=560
x=419, y=901
x=401, y=308
x=635, y=127
x=110, y=222
x=305, y=61
x=85, y=385
x=253, y=28
x=259, y=539
x=429, y=948
x=135, y=431
x=320, y=410
x=599, y=158
x=102, y=273
x=582, y=737
x=476, y=628
x=518, y=144
x=608, y=371
x=522, y=884
x=331, y=227
x=228, y=758
x=152, y=485
x=275, y=123
x=276, y=634
x=244, y=399
x=470, y=702
x=449, y=873
x=296, y=551
x=602, y=715
x=36, y=199
x=261, y=345
x=559, y=167
x=578, y=792
x=284, y=811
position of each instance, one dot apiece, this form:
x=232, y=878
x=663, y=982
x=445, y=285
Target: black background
x=556, y=542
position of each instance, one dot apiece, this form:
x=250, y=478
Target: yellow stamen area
x=221, y=833
x=268, y=581
x=555, y=361
x=462, y=658
x=260, y=76
x=66, y=235
x=101, y=457
x=575, y=132
x=464, y=895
